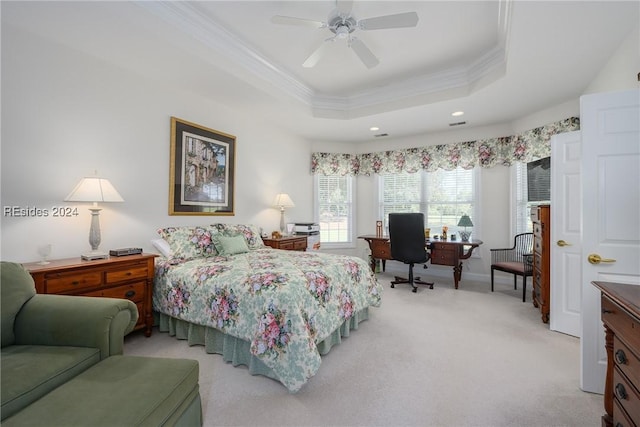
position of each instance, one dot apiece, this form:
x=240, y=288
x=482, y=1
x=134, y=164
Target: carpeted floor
x=440, y=357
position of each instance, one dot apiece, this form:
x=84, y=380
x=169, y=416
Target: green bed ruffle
x=236, y=350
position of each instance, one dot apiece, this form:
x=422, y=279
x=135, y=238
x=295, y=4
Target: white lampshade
x=94, y=189
x=283, y=200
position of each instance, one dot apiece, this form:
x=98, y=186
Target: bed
x=272, y=310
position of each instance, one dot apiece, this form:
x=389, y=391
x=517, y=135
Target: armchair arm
x=76, y=321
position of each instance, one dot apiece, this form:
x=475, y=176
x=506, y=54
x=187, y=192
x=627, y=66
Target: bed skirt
x=236, y=350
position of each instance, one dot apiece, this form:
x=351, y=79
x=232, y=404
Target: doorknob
x=562, y=243
x=597, y=259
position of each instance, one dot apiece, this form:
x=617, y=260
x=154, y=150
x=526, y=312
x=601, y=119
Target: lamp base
x=93, y=255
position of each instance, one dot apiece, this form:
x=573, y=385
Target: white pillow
x=163, y=247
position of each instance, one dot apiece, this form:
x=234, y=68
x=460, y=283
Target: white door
x=566, y=233
x=610, y=127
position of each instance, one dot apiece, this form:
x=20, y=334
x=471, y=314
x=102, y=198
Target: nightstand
x=290, y=243
x=127, y=277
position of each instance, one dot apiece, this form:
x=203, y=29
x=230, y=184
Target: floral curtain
x=524, y=147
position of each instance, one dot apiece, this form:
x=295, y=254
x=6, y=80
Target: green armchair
x=49, y=339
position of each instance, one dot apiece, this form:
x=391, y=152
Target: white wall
x=623, y=68
x=66, y=114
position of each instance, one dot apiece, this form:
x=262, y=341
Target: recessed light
x=374, y=128
x=457, y=113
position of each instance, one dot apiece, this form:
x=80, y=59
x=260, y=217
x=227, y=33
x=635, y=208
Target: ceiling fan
x=343, y=24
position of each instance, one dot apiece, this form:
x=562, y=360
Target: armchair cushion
x=37, y=370
x=17, y=288
x=512, y=266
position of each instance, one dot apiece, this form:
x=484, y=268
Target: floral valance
x=524, y=147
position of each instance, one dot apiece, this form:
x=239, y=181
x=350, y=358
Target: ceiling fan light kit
x=342, y=24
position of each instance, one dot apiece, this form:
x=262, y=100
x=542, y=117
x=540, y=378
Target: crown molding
x=427, y=88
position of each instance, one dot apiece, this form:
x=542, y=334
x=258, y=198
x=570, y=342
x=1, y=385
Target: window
x=520, y=208
x=335, y=210
x=443, y=196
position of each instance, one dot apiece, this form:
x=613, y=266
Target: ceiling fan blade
x=401, y=20
x=313, y=59
x=289, y=20
x=366, y=56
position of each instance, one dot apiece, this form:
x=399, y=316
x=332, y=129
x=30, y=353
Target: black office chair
x=406, y=233
x=517, y=260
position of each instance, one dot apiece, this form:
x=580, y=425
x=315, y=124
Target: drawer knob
x=621, y=358
x=130, y=294
x=620, y=391
x=75, y=282
x=605, y=311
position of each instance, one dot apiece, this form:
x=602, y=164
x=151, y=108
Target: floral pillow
x=190, y=241
x=250, y=232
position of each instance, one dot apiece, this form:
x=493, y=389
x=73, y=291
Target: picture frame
x=201, y=170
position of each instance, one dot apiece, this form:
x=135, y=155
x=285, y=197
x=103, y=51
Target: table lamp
x=94, y=189
x=465, y=222
x=283, y=201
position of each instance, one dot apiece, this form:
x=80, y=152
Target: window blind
x=335, y=208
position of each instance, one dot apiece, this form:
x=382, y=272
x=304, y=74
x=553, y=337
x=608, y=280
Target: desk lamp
x=465, y=222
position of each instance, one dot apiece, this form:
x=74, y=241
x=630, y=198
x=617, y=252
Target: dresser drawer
x=129, y=273
x=287, y=246
x=300, y=245
x=626, y=395
x=443, y=254
x=621, y=323
x=381, y=249
x=537, y=261
x=538, y=246
x=72, y=282
x=537, y=229
x=620, y=418
x=626, y=361
x=133, y=292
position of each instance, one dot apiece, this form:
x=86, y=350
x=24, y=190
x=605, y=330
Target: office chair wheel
x=414, y=290
x=393, y=285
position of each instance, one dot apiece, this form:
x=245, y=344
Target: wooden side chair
x=406, y=233
x=517, y=260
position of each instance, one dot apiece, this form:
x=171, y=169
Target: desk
x=442, y=252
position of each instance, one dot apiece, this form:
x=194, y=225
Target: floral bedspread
x=282, y=302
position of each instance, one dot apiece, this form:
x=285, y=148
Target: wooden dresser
x=541, y=218
x=620, y=305
x=127, y=277
x=289, y=243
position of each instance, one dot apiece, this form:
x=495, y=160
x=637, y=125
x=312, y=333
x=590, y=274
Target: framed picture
x=202, y=168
